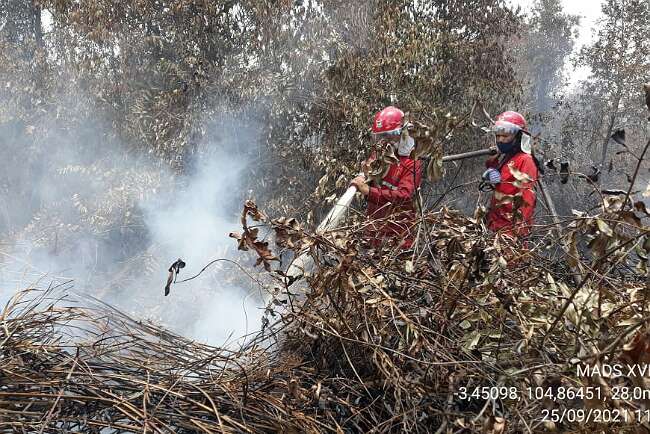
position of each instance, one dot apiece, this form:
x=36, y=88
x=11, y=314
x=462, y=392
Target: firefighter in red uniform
x=390, y=204
x=513, y=173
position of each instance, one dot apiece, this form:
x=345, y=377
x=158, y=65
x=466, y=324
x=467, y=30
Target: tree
x=163, y=79
x=23, y=79
x=619, y=60
x=431, y=58
x=548, y=40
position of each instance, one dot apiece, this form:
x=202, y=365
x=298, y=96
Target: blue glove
x=493, y=176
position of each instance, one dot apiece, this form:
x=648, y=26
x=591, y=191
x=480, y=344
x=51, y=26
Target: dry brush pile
x=371, y=340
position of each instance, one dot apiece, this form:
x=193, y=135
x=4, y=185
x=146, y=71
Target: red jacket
x=390, y=205
x=500, y=217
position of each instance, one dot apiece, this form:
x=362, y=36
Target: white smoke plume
x=189, y=218
x=194, y=225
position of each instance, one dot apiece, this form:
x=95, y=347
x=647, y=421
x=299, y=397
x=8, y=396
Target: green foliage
x=149, y=74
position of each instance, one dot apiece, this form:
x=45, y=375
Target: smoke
x=113, y=221
x=193, y=224
x=80, y=205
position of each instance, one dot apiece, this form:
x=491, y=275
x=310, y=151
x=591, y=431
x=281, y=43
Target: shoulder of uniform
x=525, y=162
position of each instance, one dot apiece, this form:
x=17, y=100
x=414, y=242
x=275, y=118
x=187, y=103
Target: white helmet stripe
x=505, y=127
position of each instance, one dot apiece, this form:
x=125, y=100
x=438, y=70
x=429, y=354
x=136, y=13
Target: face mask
x=506, y=148
x=405, y=146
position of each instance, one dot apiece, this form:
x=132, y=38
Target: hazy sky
x=589, y=12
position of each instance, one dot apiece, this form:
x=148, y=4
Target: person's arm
x=408, y=183
x=361, y=182
x=493, y=173
x=493, y=161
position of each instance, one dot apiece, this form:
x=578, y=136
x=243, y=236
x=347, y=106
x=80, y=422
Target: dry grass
x=372, y=341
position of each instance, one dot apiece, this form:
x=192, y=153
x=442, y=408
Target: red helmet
x=509, y=123
x=388, y=121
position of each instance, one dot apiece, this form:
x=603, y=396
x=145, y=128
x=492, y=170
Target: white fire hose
x=304, y=261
